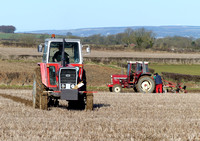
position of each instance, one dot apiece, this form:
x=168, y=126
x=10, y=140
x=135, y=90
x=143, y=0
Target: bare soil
x=21, y=73
x=115, y=117
x=124, y=116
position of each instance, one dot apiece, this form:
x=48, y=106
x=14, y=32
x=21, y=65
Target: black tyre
x=110, y=89
x=117, y=88
x=40, y=99
x=135, y=89
x=145, y=85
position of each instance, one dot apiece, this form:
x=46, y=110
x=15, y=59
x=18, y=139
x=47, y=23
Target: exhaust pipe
x=63, y=54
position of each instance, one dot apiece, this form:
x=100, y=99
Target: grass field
x=18, y=36
x=182, y=69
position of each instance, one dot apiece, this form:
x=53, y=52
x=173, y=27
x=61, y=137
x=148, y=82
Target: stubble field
x=125, y=116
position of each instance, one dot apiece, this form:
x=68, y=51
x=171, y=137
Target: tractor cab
x=135, y=69
x=57, y=50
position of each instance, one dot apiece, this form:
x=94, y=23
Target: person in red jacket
x=158, y=81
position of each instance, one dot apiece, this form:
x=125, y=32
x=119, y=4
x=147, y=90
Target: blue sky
x=32, y=15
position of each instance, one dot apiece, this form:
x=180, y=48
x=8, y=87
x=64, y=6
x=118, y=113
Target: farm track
x=124, y=116
x=17, y=51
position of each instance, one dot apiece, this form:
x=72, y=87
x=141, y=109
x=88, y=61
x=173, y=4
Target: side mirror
x=40, y=48
x=87, y=48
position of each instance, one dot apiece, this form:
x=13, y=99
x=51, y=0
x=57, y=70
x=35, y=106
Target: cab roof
x=139, y=62
x=61, y=40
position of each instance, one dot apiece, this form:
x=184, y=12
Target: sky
x=30, y=15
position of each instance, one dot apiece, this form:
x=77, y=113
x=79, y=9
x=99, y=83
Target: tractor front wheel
x=40, y=99
x=117, y=88
x=145, y=85
x=89, y=101
x=110, y=89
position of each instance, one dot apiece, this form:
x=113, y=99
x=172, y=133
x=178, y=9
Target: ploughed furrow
x=17, y=99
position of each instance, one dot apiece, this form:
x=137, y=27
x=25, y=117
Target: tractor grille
x=68, y=75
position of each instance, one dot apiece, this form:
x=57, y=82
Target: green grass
x=17, y=36
x=94, y=88
x=105, y=65
x=182, y=69
x=15, y=87
x=193, y=90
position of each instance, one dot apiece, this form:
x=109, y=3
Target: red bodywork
x=117, y=79
x=45, y=72
x=129, y=80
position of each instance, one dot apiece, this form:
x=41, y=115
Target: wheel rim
x=117, y=89
x=146, y=86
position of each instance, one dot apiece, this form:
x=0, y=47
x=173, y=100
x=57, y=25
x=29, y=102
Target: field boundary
x=122, y=60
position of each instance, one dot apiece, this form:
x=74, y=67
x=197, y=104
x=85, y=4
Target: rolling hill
x=161, y=31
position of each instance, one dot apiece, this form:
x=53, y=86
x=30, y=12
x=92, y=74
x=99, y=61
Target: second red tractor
x=138, y=77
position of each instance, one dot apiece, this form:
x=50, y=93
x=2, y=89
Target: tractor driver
x=58, y=55
x=132, y=74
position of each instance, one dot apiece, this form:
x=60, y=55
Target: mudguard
x=43, y=68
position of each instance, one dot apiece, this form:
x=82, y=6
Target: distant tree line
x=177, y=43
x=7, y=29
x=141, y=39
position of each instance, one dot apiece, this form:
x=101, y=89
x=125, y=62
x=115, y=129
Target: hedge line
x=179, y=77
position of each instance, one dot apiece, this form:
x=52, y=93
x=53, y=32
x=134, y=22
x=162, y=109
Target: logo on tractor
x=67, y=75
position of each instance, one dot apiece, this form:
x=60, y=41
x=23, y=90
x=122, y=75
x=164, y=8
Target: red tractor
x=60, y=75
x=138, y=77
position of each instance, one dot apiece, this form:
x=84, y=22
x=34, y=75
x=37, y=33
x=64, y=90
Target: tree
x=128, y=36
x=7, y=29
x=144, y=39
x=69, y=34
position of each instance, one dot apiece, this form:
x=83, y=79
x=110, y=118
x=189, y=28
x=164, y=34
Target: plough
x=173, y=87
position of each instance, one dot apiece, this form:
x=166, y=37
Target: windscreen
x=71, y=51
x=147, y=68
x=139, y=67
x=128, y=69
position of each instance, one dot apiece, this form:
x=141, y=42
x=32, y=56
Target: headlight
x=63, y=86
x=72, y=86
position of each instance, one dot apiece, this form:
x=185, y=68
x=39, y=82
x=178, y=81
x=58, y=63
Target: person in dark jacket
x=158, y=81
x=58, y=56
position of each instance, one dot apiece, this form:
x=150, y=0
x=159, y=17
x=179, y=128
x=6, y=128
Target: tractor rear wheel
x=40, y=99
x=145, y=85
x=117, y=88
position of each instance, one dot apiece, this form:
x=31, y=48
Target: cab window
x=71, y=50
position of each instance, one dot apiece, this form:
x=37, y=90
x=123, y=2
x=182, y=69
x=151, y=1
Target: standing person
x=159, y=83
x=154, y=76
